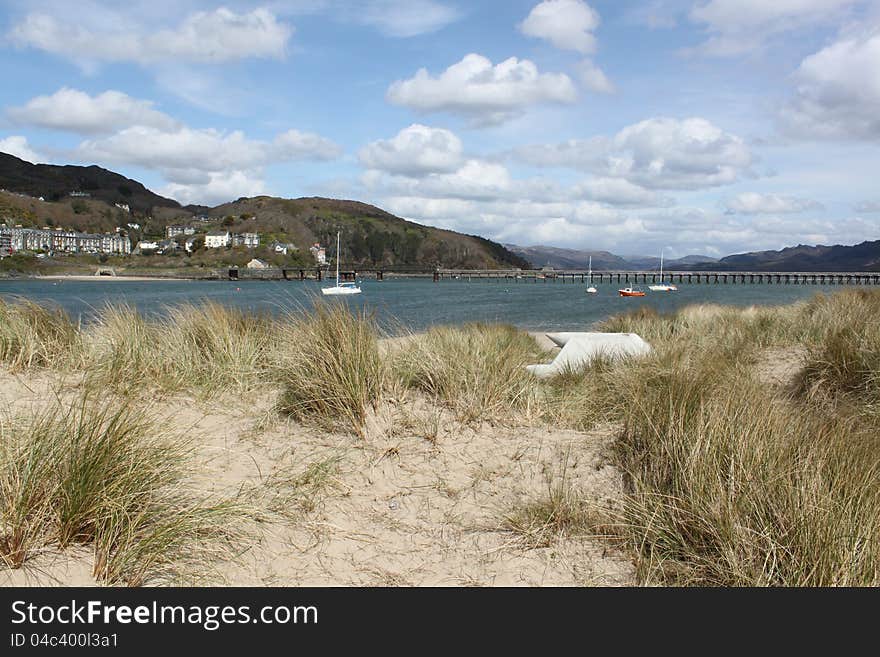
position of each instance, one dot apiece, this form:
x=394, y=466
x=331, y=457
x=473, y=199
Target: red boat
x=631, y=292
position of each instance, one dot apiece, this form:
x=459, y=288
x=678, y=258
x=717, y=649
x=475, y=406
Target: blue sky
x=694, y=126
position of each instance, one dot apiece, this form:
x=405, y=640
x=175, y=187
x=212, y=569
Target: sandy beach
x=397, y=509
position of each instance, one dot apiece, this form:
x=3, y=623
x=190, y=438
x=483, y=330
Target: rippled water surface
x=412, y=303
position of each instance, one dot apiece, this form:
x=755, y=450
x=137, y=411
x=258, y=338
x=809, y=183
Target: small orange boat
x=631, y=292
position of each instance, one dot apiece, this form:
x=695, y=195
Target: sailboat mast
x=337, y=259
x=661, y=265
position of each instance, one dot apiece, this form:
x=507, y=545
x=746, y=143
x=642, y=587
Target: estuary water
x=406, y=303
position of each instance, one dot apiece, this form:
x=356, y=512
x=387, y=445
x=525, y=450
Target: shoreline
x=92, y=277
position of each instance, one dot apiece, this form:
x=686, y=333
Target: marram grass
x=329, y=367
x=478, y=370
x=729, y=481
x=102, y=473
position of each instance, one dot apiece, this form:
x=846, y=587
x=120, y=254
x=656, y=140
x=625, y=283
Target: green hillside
x=370, y=235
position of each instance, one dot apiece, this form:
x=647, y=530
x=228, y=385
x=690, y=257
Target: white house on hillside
x=217, y=239
x=256, y=263
x=320, y=254
x=249, y=240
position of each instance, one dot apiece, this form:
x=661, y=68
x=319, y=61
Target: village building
x=283, y=248
x=256, y=263
x=249, y=240
x=58, y=240
x=319, y=253
x=167, y=246
x=217, y=239
x=174, y=231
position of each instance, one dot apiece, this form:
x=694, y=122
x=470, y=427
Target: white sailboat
x=661, y=286
x=340, y=288
x=591, y=289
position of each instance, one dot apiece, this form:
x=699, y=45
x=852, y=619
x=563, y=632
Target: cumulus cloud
x=475, y=179
x=406, y=18
x=862, y=206
x=567, y=24
x=71, y=110
x=754, y=203
x=297, y=145
x=215, y=188
x=593, y=78
x=416, y=150
x=204, y=37
x=617, y=191
x=486, y=94
x=18, y=146
x=486, y=200
x=838, y=92
x=200, y=164
x=187, y=149
x=658, y=153
x=738, y=27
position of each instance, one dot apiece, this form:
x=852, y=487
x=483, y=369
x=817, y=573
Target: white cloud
x=18, y=146
x=862, y=206
x=485, y=93
x=297, y=145
x=416, y=150
x=754, y=203
x=567, y=24
x=71, y=110
x=189, y=149
x=203, y=165
x=406, y=18
x=593, y=78
x=838, y=92
x=475, y=179
x=204, y=37
x=617, y=191
x=738, y=27
x=514, y=217
x=655, y=14
x=658, y=153
x=215, y=188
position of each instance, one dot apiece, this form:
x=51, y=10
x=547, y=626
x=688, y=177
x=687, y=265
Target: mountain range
x=859, y=257
x=559, y=258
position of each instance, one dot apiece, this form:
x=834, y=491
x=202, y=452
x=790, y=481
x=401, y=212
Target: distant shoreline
x=92, y=277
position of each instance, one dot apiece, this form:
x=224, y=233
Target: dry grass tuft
x=32, y=335
x=478, y=370
x=329, y=367
x=101, y=473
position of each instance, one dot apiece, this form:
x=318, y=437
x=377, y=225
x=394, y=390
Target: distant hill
x=54, y=183
x=860, y=257
x=559, y=258
x=653, y=262
x=370, y=235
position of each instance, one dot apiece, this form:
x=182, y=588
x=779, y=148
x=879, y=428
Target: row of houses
x=217, y=239
x=173, y=231
x=62, y=241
